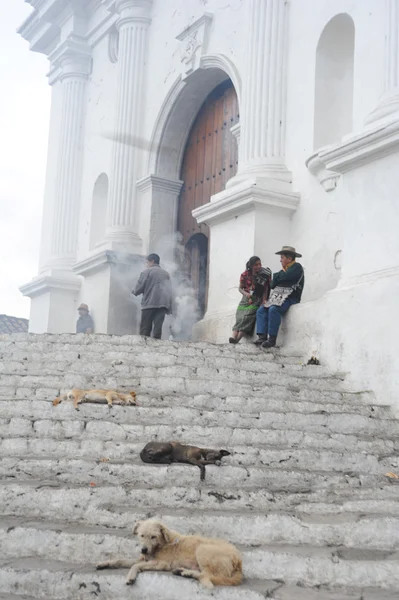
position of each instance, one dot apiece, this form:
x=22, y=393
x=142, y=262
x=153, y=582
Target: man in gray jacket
x=155, y=285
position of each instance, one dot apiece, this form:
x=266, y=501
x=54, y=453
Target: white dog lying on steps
x=210, y=561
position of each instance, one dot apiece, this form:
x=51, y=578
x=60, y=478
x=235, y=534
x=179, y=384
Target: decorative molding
x=222, y=62
x=102, y=259
x=328, y=179
x=360, y=149
x=101, y=30
x=194, y=43
x=160, y=184
x=47, y=283
x=113, y=45
x=41, y=35
x=245, y=197
x=72, y=58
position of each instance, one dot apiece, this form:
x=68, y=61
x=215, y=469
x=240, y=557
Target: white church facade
x=236, y=126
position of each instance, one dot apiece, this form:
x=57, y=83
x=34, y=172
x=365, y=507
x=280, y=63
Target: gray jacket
x=155, y=285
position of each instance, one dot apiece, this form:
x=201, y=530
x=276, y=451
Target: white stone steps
x=107, y=437
x=54, y=500
x=288, y=592
x=306, y=566
x=121, y=421
x=103, y=342
x=23, y=407
x=50, y=362
x=273, y=456
x=66, y=435
x=135, y=472
x=167, y=380
x=68, y=581
x=302, y=394
x=112, y=535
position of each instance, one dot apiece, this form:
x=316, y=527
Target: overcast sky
x=24, y=121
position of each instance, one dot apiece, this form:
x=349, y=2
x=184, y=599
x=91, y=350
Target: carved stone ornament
x=194, y=43
x=327, y=179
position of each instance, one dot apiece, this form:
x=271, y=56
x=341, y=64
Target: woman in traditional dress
x=254, y=287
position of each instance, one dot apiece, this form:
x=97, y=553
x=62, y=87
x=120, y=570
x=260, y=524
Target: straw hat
x=289, y=250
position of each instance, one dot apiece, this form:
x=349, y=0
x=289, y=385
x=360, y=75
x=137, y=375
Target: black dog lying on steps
x=170, y=452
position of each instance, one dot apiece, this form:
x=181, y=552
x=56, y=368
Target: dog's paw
x=103, y=565
x=130, y=580
x=178, y=572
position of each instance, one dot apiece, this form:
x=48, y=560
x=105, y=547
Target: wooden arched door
x=210, y=160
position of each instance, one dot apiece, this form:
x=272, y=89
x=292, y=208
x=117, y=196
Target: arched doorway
x=210, y=160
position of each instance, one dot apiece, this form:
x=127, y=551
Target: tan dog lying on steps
x=97, y=396
x=210, y=561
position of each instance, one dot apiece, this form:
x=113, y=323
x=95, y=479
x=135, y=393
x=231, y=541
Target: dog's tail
x=234, y=578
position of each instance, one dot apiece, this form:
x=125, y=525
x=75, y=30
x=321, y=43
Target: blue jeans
x=268, y=320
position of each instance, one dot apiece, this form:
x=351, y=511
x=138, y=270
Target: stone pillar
x=388, y=107
x=262, y=148
x=122, y=209
x=71, y=65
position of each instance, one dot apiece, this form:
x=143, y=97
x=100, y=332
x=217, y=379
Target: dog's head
x=216, y=454
x=156, y=450
x=151, y=535
x=133, y=400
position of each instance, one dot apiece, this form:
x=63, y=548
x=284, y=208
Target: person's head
x=286, y=259
x=288, y=254
x=83, y=310
x=153, y=259
x=254, y=264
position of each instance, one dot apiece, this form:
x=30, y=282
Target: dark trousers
x=152, y=320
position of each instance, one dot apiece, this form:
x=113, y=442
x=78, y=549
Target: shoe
x=270, y=342
x=232, y=341
x=260, y=340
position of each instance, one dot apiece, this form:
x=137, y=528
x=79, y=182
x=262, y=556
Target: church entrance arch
x=210, y=159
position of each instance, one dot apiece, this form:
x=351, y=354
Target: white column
x=388, y=107
x=262, y=148
x=71, y=65
x=122, y=218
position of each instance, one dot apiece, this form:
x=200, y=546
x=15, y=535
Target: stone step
x=68, y=581
x=78, y=542
x=54, y=500
x=270, y=393
x=103, y=436
x=274, y=456
x=157, y=355
x=120, y=423
x=84, y=471
x=167, y=380
x=53, y=362
x=306, y=566
x=34, y=407
x=16, y=597
x=108, y=585
x=103, y=342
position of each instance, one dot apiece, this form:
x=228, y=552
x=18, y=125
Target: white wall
x=98, y=217
x=334, y=81
x=99, y=124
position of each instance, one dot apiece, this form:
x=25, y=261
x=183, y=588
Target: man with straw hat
x=287, y=287
x=85, y=323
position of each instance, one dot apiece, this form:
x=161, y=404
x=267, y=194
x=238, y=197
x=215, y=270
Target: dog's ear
x=164, y=531
x=225, y=453
x=136, y=527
